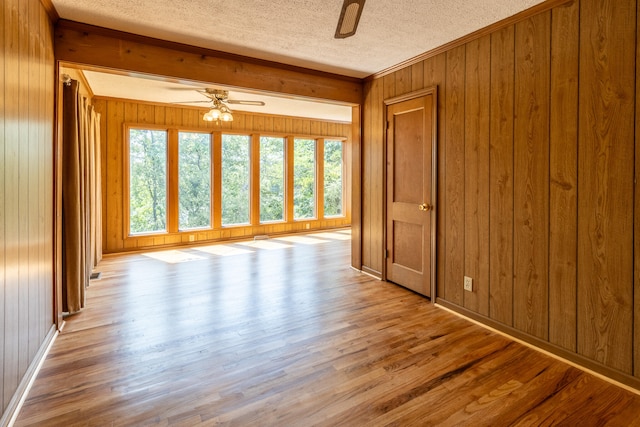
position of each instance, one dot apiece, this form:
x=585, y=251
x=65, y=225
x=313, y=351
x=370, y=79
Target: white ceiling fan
x=219, y=109
x=349, y=18
x=223, y=96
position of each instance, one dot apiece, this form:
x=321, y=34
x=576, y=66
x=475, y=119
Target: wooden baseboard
x=373, y=273
x=13, y=408
x=594, y=368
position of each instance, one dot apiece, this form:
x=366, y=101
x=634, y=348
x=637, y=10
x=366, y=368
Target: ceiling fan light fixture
x=219, y=109
x=212, y=115
x=349, y=18
x=225, y=114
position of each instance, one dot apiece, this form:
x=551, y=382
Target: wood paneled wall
x=536, y=195
x=115, y=113
x=26, y=191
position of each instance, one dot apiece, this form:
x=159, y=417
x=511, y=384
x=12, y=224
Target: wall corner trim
x=51, y=10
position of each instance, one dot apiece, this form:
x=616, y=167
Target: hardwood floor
x=283, y=332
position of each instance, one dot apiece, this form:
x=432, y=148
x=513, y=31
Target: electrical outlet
x=307, y=226
x=192, y=238
x=468, y=284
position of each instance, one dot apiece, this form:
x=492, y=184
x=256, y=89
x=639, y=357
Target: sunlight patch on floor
x=338, y=235
x=265, y=244
x=173, y=256
x=302, y=239
x=222, y=250
x=284, y=242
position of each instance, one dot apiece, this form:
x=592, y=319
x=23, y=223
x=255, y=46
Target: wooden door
x=410, y=192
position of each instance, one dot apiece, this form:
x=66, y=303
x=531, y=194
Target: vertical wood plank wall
x=606, y=169
x=26, y=188
x=116, y=113
x=536, y=195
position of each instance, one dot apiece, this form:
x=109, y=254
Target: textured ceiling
x=294, y=32
x=299, y=32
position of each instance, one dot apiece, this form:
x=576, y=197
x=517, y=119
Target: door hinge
x=386, y=253
x=388, y=124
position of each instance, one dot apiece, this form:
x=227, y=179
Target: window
x=304, y=178
x=236, y=179
x=332, y=178
x=147, y=181
x=194, y=180
x=191, y=181
x=271, y=179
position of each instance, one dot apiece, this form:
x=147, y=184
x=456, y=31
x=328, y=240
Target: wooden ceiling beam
x=101, y=47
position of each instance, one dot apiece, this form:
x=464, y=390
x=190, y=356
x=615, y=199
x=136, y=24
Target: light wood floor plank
x=279, y=333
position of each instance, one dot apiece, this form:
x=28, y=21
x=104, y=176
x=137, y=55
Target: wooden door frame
x=58, y=318
x=433, y=90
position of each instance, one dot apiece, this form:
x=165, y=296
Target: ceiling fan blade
x=240, y=102
x=349, y=18
x=207, y=94
x=192, y=102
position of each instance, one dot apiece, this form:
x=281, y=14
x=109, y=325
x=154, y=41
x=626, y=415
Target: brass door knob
x=424, y=207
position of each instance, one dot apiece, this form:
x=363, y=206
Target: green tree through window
x=236, y=174
x=147, y=181
x=332, y=178
x=304, y=178
x=271, y=179
x=194, y=180
x=171, y=182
